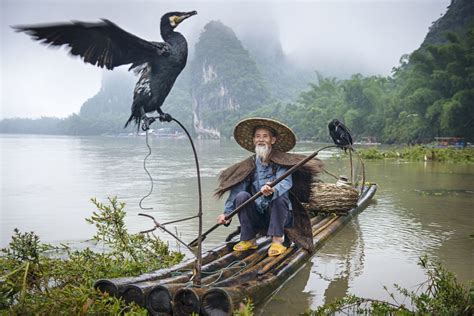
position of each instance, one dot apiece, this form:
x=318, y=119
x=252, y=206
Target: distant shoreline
x=421, y=153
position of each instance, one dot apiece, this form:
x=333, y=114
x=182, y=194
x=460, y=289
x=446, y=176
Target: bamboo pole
x=186, y=301
x=247, y=264
x=323, y=227
x=220, y=301
x=139, y=292
x=116, y=286
x=275, y=260
x=318, y=225
x=156, y=299
x=134, y=289
x=159, y=300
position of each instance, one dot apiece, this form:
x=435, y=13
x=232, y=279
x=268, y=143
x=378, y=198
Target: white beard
x=263, y=152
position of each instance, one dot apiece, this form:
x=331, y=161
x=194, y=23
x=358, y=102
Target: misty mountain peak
x=225, y=81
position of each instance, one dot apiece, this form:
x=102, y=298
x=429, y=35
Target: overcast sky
x=343, y=36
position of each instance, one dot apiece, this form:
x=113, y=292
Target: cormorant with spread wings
x=104, y=44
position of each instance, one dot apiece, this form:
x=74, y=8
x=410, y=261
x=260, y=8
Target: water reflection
x=352, y=265
x=327, y=276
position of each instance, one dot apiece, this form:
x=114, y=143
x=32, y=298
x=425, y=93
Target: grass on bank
x=440, y=294
x=421, y=153
x=38, y=278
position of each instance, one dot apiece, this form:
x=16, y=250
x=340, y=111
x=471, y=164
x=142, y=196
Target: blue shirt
x=261, y=176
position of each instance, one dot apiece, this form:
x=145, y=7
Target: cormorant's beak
x=185, y=16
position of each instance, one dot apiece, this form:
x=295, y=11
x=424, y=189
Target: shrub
x=37, y=278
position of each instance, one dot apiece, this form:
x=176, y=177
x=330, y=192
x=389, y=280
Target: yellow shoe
x=245, y=245
x=276, y=249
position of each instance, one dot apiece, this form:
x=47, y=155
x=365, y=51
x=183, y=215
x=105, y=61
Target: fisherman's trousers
x=272, y=221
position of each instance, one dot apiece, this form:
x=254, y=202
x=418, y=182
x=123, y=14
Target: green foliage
x=440, y=294
x=421, y=153
x=437, y=89
x=37, y=278
x=358, y=101
x=245, y=309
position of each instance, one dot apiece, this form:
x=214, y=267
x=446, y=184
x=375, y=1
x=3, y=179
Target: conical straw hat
x=245, y=129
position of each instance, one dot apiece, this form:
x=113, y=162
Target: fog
x=336, y=38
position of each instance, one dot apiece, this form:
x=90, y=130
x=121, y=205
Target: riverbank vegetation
x=440, y=294
x=421, y=153
x=39, y=278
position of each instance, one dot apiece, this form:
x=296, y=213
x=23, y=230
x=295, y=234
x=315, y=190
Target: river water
x=419, y=208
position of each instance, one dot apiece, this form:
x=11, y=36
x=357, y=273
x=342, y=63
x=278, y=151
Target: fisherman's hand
x=267, y=190
x=221, y=220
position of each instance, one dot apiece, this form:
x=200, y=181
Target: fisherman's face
x=263, y=137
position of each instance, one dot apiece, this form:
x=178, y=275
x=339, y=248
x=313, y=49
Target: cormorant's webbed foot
x=147, y=121
x=165, y=117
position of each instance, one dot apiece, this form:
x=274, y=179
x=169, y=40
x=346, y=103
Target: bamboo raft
x=228, y=277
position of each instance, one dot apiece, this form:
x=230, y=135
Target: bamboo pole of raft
x=275, y=260
x=322, y=227
x=160, y=293
x=248, y=263
x=138, y=292
x=319, y=224
x=186, y=301
x=160, y=299
x=224, y=300
x=116, y=286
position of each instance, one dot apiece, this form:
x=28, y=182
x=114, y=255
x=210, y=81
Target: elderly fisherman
x=278, y=212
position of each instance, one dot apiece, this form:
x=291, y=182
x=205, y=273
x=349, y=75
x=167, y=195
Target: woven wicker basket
x=328, y=197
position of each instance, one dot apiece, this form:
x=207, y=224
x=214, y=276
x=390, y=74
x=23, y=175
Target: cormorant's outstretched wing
x=102, y=43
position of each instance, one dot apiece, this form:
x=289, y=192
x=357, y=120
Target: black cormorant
x=340, y=134
x=104, y=44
